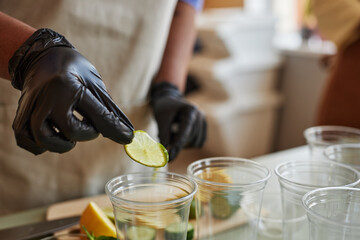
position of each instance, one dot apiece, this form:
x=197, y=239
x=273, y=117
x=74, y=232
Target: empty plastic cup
x=270, y=219
x=227, y=188
x=270, y=224
x=152, y=205
x=348, y=154
x=333, y=213
x=296, y=178
x=320, y=137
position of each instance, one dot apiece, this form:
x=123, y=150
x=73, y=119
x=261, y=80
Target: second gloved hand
x=55, y=81
x=180, y=123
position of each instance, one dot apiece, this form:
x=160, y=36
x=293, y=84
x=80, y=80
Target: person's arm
x=179, y=47
x=13, y=33
x=180, y=123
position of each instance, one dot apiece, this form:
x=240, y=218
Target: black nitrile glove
x=55, y=80
x=180, y=123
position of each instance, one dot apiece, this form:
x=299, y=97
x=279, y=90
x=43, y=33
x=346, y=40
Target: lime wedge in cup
x=145, y=150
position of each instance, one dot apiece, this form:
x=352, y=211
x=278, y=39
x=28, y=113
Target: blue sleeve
x=196, y=4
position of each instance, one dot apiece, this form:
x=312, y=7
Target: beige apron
x=124, y=39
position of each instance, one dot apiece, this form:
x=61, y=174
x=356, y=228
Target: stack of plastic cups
x=333, y=213
x=227, y=188
x=296, y=178
x=320, y=137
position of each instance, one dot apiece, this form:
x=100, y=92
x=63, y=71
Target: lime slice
x=224, y=206
x=194, y=208
x=141, y=232
x=177, y=231
x=145, y=150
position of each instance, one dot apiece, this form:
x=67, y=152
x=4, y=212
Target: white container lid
x=226, y=19
x=242, y=104
x=234, y=66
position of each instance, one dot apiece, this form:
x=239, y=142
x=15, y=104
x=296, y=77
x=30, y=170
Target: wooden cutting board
x=77, y=206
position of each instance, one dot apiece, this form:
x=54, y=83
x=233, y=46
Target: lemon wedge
x=217, y=175
x=145, y=150
x=96, y=222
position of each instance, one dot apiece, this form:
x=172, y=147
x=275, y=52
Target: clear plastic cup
x=227, y=187
x=348, y=154
x=270, y=224
x=270, y=219
x=296, y=178
x=333, y=213
x=320, y=137
x=151, y=205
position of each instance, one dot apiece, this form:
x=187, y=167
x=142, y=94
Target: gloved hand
x=55, y=80
x=180, y=123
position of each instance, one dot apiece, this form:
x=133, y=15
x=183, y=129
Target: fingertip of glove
x=35, y=151
x=122, y=137
x=129, y=136
x=30, y=146
x=126, y=134
x=63, y=148
x=173, y=152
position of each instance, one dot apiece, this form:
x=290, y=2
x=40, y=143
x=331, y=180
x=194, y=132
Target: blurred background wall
x=257, y=74
x=223, y=3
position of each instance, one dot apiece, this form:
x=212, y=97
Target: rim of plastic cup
x=174, y=201
x=338, y=148
x=311, y=130
x=207, y=162
x=326, y=162
x=335, y=148
x=341, y=146
x=310, y=211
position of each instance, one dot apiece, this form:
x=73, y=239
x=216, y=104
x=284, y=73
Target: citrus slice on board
x=96, y=222
x=109, y=212
x=145, y=150
x=217, y=175
x=141, y=232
